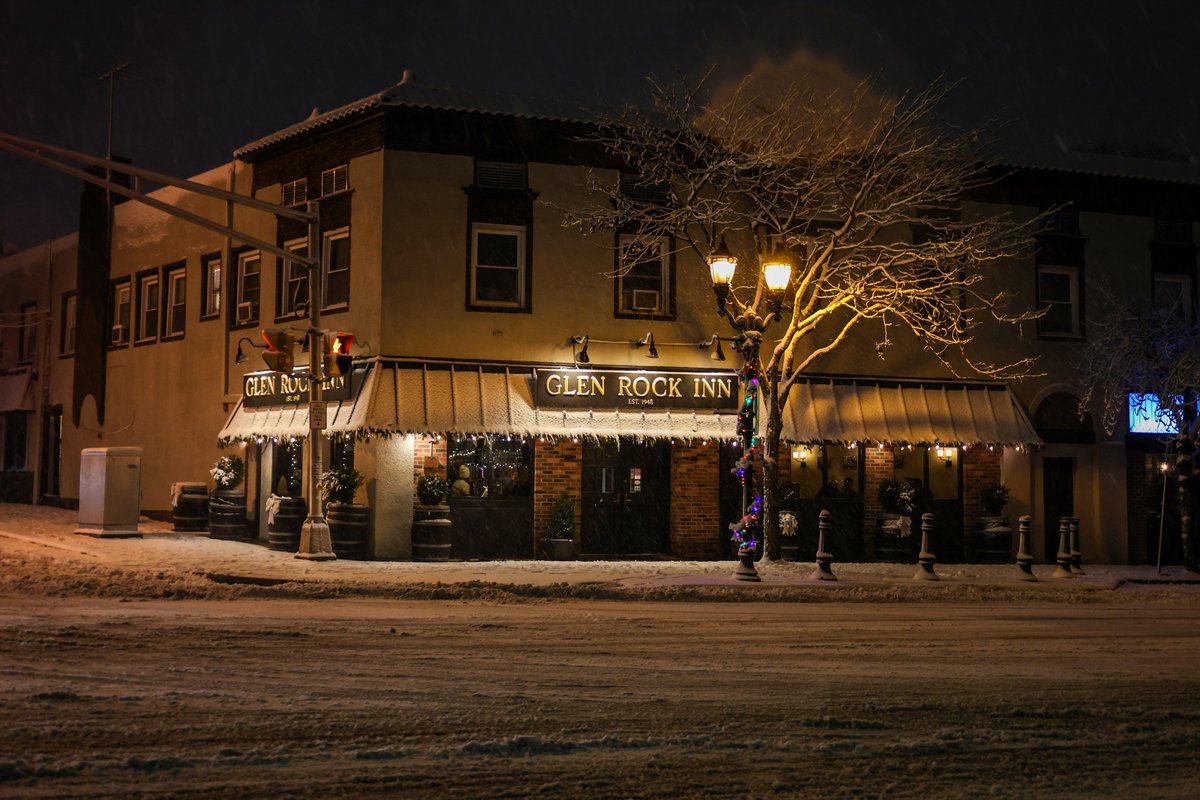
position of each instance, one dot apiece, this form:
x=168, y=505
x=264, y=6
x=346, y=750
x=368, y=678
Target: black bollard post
x=1076, y=556
x=1063, y=570
x=926, y=559
x=824, y=559
x=1024, y=560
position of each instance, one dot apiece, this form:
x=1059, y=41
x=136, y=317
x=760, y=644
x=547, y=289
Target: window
x=295, y=192
x=335, y=180
x=1058, y=293
x=248, y=282
x=643, y=277
x=122, y=313
x=335, y=288
x=644, y=191
x=1172, y=232
x=501, y=175
x=27, y=346
x=66, y=335
x=176, y=313
x=210, y=287
x=1174, y=293
x=15, y=429
x=498, y=265
x=293, y=281
x=148, y=307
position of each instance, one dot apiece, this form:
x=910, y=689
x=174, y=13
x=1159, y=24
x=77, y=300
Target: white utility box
x=110, y=491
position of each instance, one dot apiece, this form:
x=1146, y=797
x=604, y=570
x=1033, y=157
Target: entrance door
x=1058, y=493
x=626, y=498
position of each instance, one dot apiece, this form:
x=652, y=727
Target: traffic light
x=338, y=359
x=279, y=350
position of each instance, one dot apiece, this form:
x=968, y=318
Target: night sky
x=209, y=77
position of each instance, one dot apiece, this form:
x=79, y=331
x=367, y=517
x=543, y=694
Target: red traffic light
x=278, y=355
x=338, y=360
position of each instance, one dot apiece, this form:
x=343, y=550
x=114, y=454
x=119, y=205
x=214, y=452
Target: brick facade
x=879, y=466
x=695, y=501
x=981, y=467
x=558, y=468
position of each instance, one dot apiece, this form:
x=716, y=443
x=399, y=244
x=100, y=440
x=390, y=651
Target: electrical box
x=110, y=491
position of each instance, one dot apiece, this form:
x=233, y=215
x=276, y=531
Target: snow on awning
x=890, y=411
x=14, y=391
x=438, y=398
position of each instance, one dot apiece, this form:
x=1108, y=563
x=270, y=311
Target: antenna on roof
x=406, y=77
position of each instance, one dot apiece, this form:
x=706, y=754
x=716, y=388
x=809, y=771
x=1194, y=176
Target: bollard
x=1024, y=560
x=1063, y=570
x=1076, y=556
x=824, y=559
x=926, y=559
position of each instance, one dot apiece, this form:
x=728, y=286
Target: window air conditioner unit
x=246, y=313
x=645, y=300
x=118, y=334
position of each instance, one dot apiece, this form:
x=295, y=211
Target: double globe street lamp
x=749, y=324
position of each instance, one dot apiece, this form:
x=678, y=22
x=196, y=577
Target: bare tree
x=862, y=195
x=1155, y=352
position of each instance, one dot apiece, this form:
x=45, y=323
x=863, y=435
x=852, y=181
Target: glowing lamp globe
x=721, y=265
x=777, y=272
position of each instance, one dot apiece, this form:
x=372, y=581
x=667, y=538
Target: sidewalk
x=41, y=553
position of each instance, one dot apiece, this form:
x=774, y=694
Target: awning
x=401, y=397
x=14, y=391
x=888, y=411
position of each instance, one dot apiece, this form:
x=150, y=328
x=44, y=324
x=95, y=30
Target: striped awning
x=847, y=410
x=402, y=397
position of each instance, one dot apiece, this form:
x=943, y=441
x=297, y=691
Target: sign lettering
x=567, y=388
x=260, y=389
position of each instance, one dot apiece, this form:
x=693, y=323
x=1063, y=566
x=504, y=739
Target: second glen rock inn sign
x=640, y=389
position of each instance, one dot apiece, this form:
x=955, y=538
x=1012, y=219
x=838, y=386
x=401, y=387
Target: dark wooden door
x=626, y=498
x=1058, y=493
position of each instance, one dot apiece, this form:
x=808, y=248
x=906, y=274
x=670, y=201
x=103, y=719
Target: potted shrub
x=993, y=533
x=347, y=519
x=432, y=490
x=893, y=527
x=559, y=544
x=227, y=503
x=432, y=528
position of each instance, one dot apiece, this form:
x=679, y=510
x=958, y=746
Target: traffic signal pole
x=315, y=542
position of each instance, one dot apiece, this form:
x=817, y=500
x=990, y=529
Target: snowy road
x=374, y=698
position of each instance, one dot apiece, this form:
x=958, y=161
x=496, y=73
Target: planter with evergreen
x=347, y=519
x=559, y=543
x=993, y=539
x=227, y=503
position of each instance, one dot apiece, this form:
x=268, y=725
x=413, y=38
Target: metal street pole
x=315, y=543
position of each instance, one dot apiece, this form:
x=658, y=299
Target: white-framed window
x=498, y=265
x=1173, y=292
x=122, y=313
x=249, y=281
x=335, y=263
x=293, y=280
x=1058, y=293
x=29, y=333
x=335, y=180
x=295, y=192
x=211, y=286
x=149, y=303
x=176, y=312
x=67, y=335
x=643, y=276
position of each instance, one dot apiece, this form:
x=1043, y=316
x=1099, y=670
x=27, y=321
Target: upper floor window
x=498, y=265
x=644, y=191
x=1058, y=293
x=27, y=346
x=295, y=192
x=122, y=313
x=644, y=286
x=249, y=268
x=293, y=281
x=210, y=287
x=66, y=336
x=1173, y=292
x=335, y=265
x=176, y=309
x=335, y=180
x=501, y=175
x=1170, y=232
x=148, y=307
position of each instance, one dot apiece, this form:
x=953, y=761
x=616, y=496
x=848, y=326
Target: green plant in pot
x=347, y=519
x=893, y=527
x=227, y=504
x=339, y=485
x=432, y=489
x=559, y=544
x=228, y=472
x=993, y=534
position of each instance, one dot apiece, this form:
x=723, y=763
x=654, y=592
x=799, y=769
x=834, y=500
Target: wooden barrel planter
x=993, y=541
x=432, y=533
x=283, y=532
x=348, y=529
x=190, y=509
x=227, y=514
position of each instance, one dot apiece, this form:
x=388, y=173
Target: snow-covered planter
x=227, y=503
x=559, y=544
x=993, y=540
x=347, y=519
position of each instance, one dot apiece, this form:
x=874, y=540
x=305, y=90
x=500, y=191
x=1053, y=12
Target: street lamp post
x=749, y=324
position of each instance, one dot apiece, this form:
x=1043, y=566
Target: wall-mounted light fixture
x=241, y=357
x=648, y=339
x=946, y=454
x=800, y=453
x=581, y=357
x=718, y=354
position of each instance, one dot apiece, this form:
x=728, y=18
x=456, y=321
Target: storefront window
x=489, y=467
x=287, y=475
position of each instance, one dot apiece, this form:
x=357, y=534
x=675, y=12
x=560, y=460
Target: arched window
x=1057, y=420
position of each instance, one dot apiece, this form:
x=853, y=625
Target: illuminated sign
x=261, y=389
x=640, y=389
